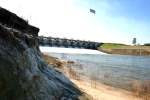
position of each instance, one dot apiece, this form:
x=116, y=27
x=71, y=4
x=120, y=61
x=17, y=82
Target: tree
x=134, y=41
x=147, y=44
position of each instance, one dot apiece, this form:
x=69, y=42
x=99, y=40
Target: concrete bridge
x=67, y=43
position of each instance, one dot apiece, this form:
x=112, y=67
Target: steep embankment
x=112, y=48
x=24, y=75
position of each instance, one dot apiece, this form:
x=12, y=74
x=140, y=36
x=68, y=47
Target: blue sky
x=116, y=21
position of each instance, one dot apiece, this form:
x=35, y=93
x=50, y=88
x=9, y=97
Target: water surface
x=115, y=70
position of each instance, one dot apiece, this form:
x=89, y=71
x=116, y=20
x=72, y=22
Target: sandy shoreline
x=104, y=92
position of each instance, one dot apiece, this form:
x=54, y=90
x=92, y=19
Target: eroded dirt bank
x=24, y=75
x=127, y=51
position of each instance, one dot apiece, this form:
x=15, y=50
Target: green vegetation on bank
x=123, y=49
x=112, y=45
x=147, y=44
x=123, y=46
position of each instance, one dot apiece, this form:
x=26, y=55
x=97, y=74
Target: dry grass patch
x=53, y=61
x=142, y=89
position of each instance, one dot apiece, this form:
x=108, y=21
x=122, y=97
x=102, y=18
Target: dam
x=67, y=43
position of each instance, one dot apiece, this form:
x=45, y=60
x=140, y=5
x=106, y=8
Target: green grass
x=112, y=46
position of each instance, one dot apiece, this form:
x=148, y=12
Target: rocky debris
x=57, y=63
x=24, y=75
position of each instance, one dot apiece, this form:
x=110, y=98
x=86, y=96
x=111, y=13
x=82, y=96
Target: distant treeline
x=147, y=44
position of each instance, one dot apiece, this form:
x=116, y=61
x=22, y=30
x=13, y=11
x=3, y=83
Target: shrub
x=147, y=44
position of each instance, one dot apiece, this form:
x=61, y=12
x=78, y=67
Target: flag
x=92, y=11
